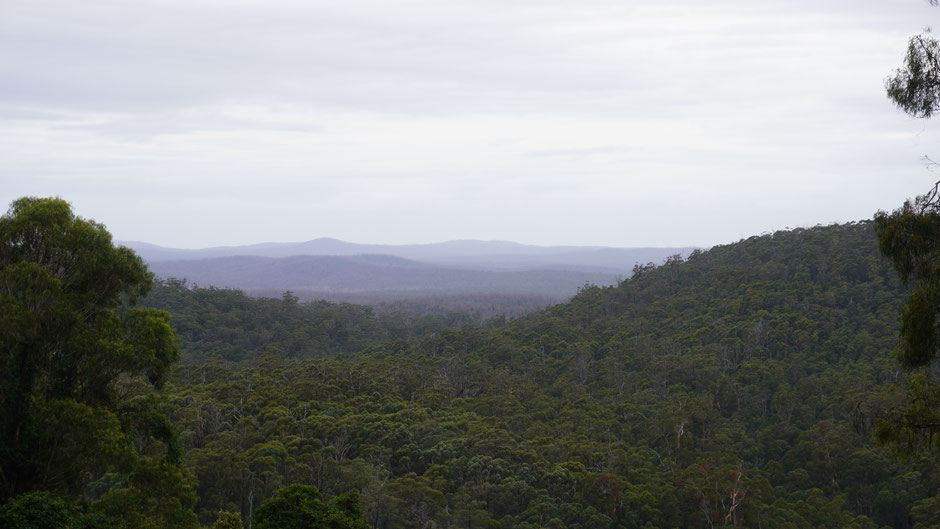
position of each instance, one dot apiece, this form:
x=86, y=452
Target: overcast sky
x=622, y=123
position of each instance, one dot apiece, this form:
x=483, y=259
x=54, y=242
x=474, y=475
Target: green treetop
x=68, y=337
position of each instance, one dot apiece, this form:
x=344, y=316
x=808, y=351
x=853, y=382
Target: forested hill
x=225, y=324
x=823, y=290
x=738, y=388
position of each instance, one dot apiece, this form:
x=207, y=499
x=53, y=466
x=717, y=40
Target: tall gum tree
x=910, y=237
x=70, y=340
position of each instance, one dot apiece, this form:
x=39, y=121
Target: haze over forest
x=486, y=277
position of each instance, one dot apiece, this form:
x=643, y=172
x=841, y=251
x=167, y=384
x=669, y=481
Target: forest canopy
x=740, y=388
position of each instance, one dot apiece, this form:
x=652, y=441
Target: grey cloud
x=589, y=151
x=405, y=112
x=143, y=127
x=435, y=59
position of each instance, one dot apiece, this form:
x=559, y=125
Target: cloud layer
x=592, y=122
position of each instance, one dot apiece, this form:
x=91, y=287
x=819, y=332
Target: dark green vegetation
x=80, y=418
x=910, y=236
x=225, y=324
x=738, y=388
x=475, y=307
x=300, y=507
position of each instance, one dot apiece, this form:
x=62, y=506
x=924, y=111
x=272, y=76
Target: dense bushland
x=737, y=388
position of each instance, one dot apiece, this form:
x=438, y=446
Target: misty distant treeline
x=483, y=278
x=227, y=324
x=371, y=274
x=479, y=307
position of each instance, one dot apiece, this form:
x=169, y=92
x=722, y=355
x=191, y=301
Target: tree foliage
x=72, y=350
x=41, y=510
x=228, y=520
x=300, y=507
x=915, y=87
x=910, y=237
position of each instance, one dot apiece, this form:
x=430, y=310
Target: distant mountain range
x=490, y=255
x=334, y=269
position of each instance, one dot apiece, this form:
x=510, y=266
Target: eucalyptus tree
x=78, y=362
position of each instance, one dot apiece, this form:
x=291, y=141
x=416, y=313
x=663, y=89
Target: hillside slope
x=738, y=388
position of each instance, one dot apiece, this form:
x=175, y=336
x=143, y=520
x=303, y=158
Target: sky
x=620, y=123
